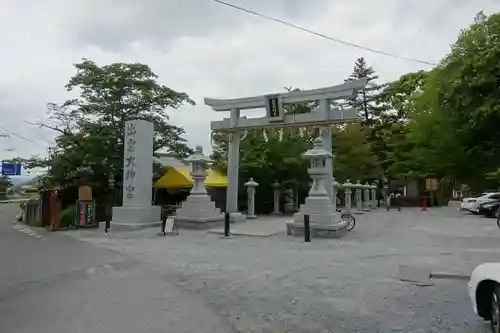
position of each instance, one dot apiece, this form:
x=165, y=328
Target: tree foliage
x=454, y=124
x=89, y=148
x=440, y=123
x=367, y=100
x=5, y=184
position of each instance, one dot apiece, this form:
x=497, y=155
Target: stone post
x=335, y=186
x=348, y=195
x=198, y=211
x=233, y=162
x=374, y=195
x=277, y=194
x=326, y=138
x=359, y=197
x=385, y=192
x=251, y=185
x=367, y=202
x=324, y=221
x=137, y=211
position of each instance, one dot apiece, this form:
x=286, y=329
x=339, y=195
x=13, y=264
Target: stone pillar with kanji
x=137, y=211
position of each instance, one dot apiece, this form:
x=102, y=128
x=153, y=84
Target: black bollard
x=163, y=222
x=107, y=225
x=226, y=224
x=307, y=229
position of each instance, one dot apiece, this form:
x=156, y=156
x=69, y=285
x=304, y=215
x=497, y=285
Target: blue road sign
x=11, y=169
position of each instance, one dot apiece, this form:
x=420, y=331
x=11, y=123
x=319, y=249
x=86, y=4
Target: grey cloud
x=112, y=24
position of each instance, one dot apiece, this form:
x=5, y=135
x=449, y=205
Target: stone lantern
x=251, y=185
x=198, y=211
x=358, y=195
x=348, y=195
x=276, y=194
x=373, y=188
x=366, y=194
x=324, y=220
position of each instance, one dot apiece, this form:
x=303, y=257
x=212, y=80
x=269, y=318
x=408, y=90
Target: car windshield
x=479, y=195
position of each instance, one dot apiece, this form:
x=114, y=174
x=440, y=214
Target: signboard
x=431, y=184
x=274, y=108
x=85, y=214
x=11, y=169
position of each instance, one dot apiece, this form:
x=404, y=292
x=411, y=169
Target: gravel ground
x=280, y=284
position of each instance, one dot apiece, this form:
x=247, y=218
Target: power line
x=18, y=135
x=388, y=54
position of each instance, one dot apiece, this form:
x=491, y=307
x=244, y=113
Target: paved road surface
x=197, y=282
x=50, y=283
x=281, y=284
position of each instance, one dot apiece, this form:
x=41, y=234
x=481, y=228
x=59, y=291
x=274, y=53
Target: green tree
x=390, y=131
x=5, y=184
x=354, y=158
x=89, y=148
x=366, y=100
x=457, y=112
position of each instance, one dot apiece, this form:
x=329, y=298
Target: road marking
x=28, y=231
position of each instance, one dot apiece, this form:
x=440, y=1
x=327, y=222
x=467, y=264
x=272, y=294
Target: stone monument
x=322, y=118
x=277, y=195
x=325, y=221
x=137, y=211
x=198, y=211
x=359, y=197
x=251, y=185
x=366, y=202
x=348, y=195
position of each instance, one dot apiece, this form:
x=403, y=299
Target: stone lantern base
x=198, y=212
x=324, y=220
x=317, y=230
x=135, y=218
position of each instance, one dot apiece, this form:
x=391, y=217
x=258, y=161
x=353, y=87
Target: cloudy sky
x=208, y=50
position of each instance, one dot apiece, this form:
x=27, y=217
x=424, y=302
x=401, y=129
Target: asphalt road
x=51, y=283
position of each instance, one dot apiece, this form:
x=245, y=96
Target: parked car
x=472, y=204
x=490, y=208
x=484, y=292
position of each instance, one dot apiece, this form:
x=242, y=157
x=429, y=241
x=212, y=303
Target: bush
x=68, y=217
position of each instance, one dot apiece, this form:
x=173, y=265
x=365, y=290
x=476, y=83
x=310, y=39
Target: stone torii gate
x=275, y=117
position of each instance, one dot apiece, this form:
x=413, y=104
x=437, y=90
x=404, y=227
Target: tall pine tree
x=367, y=100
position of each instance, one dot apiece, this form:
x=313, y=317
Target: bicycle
x=349, y=218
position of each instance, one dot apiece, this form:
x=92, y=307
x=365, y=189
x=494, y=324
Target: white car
x=484, y=292
x=472, y=204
